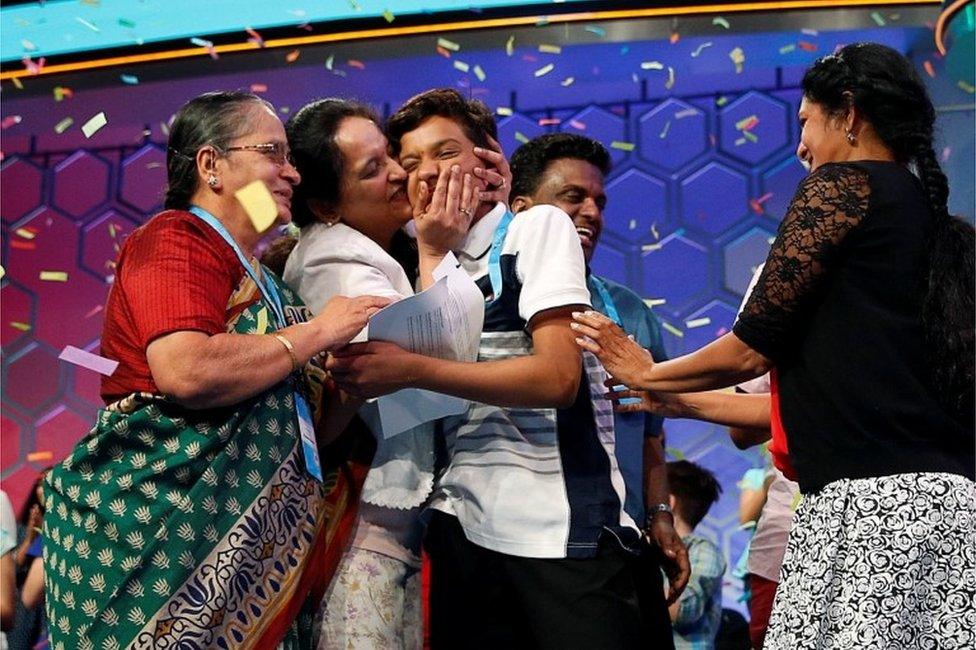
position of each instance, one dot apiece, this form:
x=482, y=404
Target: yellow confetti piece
x=550, y=49
x=504, y=111
x=654, y=302
x=461, y=65
x=510, y=46
x=17, y=83
x=722, y=101
x=26, y=234
x=698, y=322
x=448, y=45
x=721, y=22
x=652, y=65
x=738, y=58
x=388, y=15
x=568, y=81
x=3, y=272
x=478, y=72
x=63, y=125
x=54, y=276
x=750, y=136
x=623, y=146
x=797, y=498
x=544, y=70
x=262, y=321
x=92, y=126
x=259, y=205
x=17, y=325
x=650, y=248
x=521, y=137
x=292, y=56
x=671, y=328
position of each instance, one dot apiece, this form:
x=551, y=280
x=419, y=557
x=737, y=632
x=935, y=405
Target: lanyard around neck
x=608, y=305
x=495, y=256
x=267, y=288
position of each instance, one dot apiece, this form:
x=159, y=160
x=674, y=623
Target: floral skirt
x=886, y=562
x=373, y=602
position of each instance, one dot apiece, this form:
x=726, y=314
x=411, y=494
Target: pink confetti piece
x=259, y=88
x=255, y=37
x=576, y=124
x=85, y=359
x=549, y=121
x=40, y=456
x=9, y=121
x=94, y=310
x=34, y=67
x=355, y=63
x=929, y=69
x=292, y=56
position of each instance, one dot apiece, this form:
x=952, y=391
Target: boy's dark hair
x=694, y=488
x=529, y=162
x=472, y=115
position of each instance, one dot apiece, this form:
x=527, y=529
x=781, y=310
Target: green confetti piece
x=63, y=125
x=521, y=137
x=722, y=101
x=878, y=18
x=721, y=22
x=388, y=15
x=623, y=146
x=966, y=87
x=478, y=72
x=448, y=45
x=504, y=111
x=461, y=65
x=671, y=328
x=750, y=136
x=786, y=49
x=126, y=23
x=550, y=49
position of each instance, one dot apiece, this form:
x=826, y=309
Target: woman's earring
x=851, y=138
x=212, y=181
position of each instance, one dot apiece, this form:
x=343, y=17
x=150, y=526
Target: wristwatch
x=655, y=509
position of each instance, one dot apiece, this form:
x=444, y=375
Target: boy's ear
x=520, y=203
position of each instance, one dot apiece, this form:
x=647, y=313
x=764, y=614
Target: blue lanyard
x=268, y=289
x=608, y=305
x=495, y=256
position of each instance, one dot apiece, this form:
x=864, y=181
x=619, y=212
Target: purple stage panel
x=714, y=198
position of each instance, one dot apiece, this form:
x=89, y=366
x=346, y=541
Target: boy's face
x=436, y=145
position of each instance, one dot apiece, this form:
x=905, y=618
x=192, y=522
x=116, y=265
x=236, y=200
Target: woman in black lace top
x=864, y=316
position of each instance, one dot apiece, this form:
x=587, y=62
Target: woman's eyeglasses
x=276, y=151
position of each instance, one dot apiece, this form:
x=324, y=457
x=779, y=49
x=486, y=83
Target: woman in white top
x=351, y=207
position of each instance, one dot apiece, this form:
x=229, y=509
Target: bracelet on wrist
x=290, y=349
x=654, y=510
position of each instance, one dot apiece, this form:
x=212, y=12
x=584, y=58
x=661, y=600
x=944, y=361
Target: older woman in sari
x=186, y=517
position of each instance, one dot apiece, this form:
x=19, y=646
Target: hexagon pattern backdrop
x=704, y=169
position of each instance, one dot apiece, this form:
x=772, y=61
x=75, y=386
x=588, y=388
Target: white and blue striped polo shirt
x=533, y=482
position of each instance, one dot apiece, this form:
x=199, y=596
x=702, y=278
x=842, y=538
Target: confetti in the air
x=593, y=29
x=698, y=322
x=721, y=22
x=54, y=276
x=448, y=45
x=292, y=56
x=738, y=58
x=700, y=49
x=544, y=70
x=479, y=73
x=503, y=111
x=87, y=24
x=9, y=121
x=259, y=205
x=622, y=146
x=63, y=125
x=92, y=126
x=388, y=16
x=568, y=81
x=510, y=46
x=652, y=65
x=461, y=65
x=550, y=49
x=129, y=79
x=86, y=359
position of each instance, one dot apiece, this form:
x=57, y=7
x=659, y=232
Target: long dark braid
x=884, y=87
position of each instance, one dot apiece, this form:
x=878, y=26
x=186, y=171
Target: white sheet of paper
x=444, y=321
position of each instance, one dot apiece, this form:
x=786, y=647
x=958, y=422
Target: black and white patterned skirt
x=886, y=562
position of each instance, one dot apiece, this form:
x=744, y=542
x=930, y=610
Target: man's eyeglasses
x=276, y=151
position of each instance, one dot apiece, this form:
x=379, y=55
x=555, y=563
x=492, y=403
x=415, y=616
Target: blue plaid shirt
x=700, y=604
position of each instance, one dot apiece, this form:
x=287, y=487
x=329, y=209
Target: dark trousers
x=655, y=619
x=484, y=599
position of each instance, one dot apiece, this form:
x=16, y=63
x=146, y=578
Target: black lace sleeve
x=827, y=205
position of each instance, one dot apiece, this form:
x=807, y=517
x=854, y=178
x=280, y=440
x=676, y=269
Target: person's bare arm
x=746, y=437
x=32, y=593
x=719, y=407
x=200, y=371
x=660, y=530
x=549, y=377
x=723, y=362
